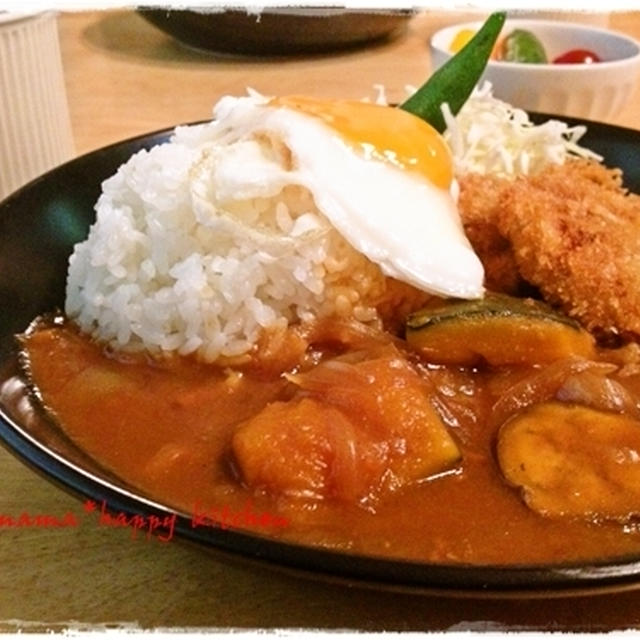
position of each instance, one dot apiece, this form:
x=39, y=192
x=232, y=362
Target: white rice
x=164, y=271
x=151, y=275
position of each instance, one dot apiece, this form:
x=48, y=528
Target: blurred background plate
x=279, y=31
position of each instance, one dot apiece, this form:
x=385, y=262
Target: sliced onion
x=544, y=385
x=598, y=392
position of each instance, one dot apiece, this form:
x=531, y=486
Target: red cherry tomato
x=577, y=56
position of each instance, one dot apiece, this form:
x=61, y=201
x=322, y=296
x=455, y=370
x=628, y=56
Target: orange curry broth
x=165, y=427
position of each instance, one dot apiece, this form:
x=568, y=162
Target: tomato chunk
x=577, y=56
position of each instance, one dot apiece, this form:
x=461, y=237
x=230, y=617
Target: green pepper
x=454, y=81
x=523, y=46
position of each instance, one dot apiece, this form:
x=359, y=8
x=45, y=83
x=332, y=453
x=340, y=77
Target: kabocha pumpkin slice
x=496, y=329
x=357, y=432
x=573, y=461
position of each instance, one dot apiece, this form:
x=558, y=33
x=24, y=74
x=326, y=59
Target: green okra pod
x=454, y=81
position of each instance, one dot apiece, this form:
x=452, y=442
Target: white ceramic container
x=591, y=91
x=35, y=127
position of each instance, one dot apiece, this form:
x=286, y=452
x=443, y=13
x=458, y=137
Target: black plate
x=39, y=225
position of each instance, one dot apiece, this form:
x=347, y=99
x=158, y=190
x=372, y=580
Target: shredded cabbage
x=489, y=136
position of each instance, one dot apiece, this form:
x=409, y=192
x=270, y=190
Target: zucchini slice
x=497, y=330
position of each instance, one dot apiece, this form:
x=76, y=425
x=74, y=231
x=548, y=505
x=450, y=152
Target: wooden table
x=126, y=78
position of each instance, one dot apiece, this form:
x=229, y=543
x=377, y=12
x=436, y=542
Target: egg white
x=397, y=218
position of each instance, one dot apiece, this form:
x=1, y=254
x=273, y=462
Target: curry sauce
x=167, y=427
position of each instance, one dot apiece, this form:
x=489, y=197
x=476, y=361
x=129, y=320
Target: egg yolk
x=382, y=133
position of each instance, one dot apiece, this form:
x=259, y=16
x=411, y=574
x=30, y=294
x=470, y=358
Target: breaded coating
x=575, y=235
x=479, y=206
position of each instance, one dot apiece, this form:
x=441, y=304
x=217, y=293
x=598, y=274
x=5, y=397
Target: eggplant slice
x=573, y=461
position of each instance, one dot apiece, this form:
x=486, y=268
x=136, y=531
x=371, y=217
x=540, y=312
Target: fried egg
x=381, y=176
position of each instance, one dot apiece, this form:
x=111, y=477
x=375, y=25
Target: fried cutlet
x=479, y=205
x=572, y=231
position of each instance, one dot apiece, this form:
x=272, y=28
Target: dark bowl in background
x=279, y=31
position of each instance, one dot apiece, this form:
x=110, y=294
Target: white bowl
x=592, y=91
